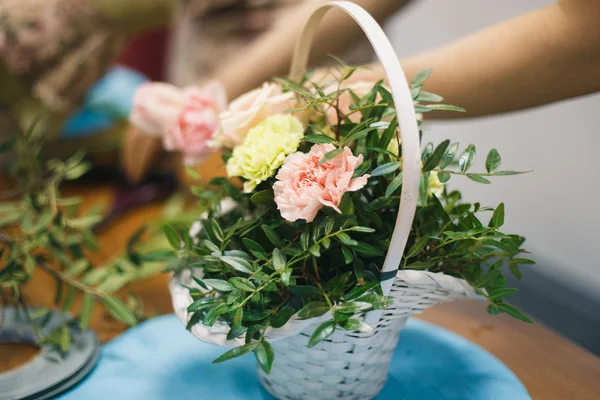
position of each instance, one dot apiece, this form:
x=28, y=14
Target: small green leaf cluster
x=259, y=270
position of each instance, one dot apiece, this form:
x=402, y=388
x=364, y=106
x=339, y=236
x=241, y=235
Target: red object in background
x=146, y=54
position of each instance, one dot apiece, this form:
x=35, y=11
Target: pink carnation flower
x=186, y=118
x=197, y=122
x=303, y=186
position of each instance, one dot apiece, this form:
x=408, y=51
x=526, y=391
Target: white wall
x=555, y=207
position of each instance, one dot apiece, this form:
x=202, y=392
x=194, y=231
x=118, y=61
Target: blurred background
x=555, y=206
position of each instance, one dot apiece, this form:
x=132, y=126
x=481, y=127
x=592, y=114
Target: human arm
x=538, y=58
x=270, y=54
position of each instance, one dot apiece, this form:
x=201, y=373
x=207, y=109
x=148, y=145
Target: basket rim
x=456, y=288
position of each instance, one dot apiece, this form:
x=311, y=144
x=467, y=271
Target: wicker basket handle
x=408, y=132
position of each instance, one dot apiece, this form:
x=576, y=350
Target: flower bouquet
x=333, y=227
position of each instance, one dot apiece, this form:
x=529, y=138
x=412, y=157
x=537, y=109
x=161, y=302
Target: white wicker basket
x=349, y=365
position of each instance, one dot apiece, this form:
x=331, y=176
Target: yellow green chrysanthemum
x=264, y=149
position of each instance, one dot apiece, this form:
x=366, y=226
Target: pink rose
x=197, y=123
x=360, y=89
x=303, y=186
x=248, y=110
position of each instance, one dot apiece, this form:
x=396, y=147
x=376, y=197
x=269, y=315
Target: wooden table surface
x=549, y=366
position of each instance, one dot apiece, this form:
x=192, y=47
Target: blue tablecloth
x=160, y=360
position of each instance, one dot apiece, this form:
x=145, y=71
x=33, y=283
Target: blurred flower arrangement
x=315, y=171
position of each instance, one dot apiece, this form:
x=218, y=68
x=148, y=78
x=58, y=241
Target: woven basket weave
x=348, y=365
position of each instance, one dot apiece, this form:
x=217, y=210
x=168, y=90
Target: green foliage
x=42, y=230
x=260, y=270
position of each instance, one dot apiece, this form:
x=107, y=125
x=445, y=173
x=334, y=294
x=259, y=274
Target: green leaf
x=498, y=217
x=353, y=307
x=445, y=107
x=68, y=303
x=173, y=237
x=499, y=294
x=490, y=276
x=87, y=308
x=449, y=154
x=37, y=314
x=378, y=301
x=420, y=108
x=348, y=255
x=272, y=236
x=329, y=224
x=346, y=239
x=420, y=77
x=443, y=177
x=278, y=260
x=264, y=356
x=394, y=185
x=429, y=97
x=507, y=173
x=77, y=268
x=119, y=310
x=385, y=169
x=358, y=291
x=64, y=338
x=356, y=325
x=77, y=171
x=420, y=265
x=492, y=309
x=282, y=317
x=242, y=284
x=522, y=261
x=201, y=304
x=417, y=247
x=313, y=309
x=478, y=178
x=321, y=333
x=378, y=203
x=514, y=269
x=286, y=275
x=83, y=222
x=427, y=151
x=434, y=159
x=216, y=229
x=256, y=249
x=236, y=331
x=514, y=312
x=361, y=229
x=237, y=263
x=367, y=249
x=318, y=138
x=467, y=158
x=264, y=197
x=315, y=250
x=330, y=155
x=362, y=168
x=218, y=284
x=236, y=352
x=389, y=134
x=493, y=160
x=386, y=96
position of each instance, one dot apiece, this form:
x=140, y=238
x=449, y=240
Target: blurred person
x=544, y=56
x=541, y=57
